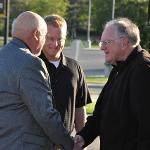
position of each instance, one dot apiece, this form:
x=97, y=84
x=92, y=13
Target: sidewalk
x=95, y=90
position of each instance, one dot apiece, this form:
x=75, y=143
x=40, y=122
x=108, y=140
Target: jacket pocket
x=34, y=142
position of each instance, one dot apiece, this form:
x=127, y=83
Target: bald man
x=28, y=120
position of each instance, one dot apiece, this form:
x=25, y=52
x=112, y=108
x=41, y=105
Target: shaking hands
x=78, y=142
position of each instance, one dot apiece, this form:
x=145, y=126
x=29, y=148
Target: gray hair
x=126, y=28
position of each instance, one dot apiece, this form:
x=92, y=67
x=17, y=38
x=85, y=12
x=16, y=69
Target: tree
x=45, y=7
x=102, y=12
x=77, y=17
x=136, y=10
x=42, y=7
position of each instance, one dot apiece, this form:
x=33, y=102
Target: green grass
x=98, y=80
x=90, y=108
x=1, y=41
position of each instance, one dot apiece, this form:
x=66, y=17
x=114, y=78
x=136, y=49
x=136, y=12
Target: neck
x=128, y=53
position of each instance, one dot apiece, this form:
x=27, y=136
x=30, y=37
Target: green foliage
x=136, y=10
x=42, y=7
x=45, y=7
x=76, y=14
x=77, y=17
x=102, y=12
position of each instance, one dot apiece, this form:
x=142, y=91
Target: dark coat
x=69, y=88
x=121, y=116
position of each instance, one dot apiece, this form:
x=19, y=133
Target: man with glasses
x=68, y=82
x=121, y=115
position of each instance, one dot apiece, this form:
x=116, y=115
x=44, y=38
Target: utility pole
x=89, y=25
x=6, y=21
x=113, y=9
x=148, y=13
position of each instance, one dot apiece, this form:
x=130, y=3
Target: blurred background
x=85, y=18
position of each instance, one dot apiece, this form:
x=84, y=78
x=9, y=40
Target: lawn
x=90, y=108
x=97, y=80
x=94, y=80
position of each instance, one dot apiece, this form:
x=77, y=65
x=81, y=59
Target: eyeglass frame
x=106, y=42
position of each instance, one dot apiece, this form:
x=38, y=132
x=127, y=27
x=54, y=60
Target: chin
x=107, y=60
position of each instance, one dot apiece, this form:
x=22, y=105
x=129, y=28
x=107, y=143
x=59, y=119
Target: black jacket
x=121, y=116
x=69, y=88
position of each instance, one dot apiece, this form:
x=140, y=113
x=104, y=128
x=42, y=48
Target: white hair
x=127, y=28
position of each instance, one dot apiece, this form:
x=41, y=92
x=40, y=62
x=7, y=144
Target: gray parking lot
x=93, y=63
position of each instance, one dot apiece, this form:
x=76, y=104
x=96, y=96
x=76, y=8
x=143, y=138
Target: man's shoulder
x=71, y=61
x=73, y=65
x=142, y=59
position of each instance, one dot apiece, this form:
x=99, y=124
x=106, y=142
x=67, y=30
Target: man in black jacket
x=121, y=116
x=68, y=81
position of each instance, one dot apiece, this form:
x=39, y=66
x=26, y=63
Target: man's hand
x=78, y=142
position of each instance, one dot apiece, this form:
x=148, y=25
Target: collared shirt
x=69, y=88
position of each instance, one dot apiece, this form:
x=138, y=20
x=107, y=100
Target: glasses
x=107, y=42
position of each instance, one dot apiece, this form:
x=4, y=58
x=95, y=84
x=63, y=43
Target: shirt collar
x=63, y=61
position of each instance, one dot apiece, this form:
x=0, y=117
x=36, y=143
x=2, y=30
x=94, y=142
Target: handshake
x=78, y=142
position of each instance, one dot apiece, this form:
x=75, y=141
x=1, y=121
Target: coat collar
x=63, y=61
x=122, y=64
x=20, y=43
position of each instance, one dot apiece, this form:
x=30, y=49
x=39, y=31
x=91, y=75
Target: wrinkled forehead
x=109, y=32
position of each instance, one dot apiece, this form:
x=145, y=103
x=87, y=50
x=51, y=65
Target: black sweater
x=121, y=116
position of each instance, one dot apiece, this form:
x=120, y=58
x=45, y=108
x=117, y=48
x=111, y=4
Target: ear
x=125, y=43
x=36, y=34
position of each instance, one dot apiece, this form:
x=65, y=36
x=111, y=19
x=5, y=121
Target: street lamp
x=113, y=9
x=89, y=24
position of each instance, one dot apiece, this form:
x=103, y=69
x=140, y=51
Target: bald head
x=28, y=27
x=26, y=22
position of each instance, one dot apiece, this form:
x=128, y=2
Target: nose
x=55, y=43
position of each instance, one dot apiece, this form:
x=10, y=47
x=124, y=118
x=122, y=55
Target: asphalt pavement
x=93, y=64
